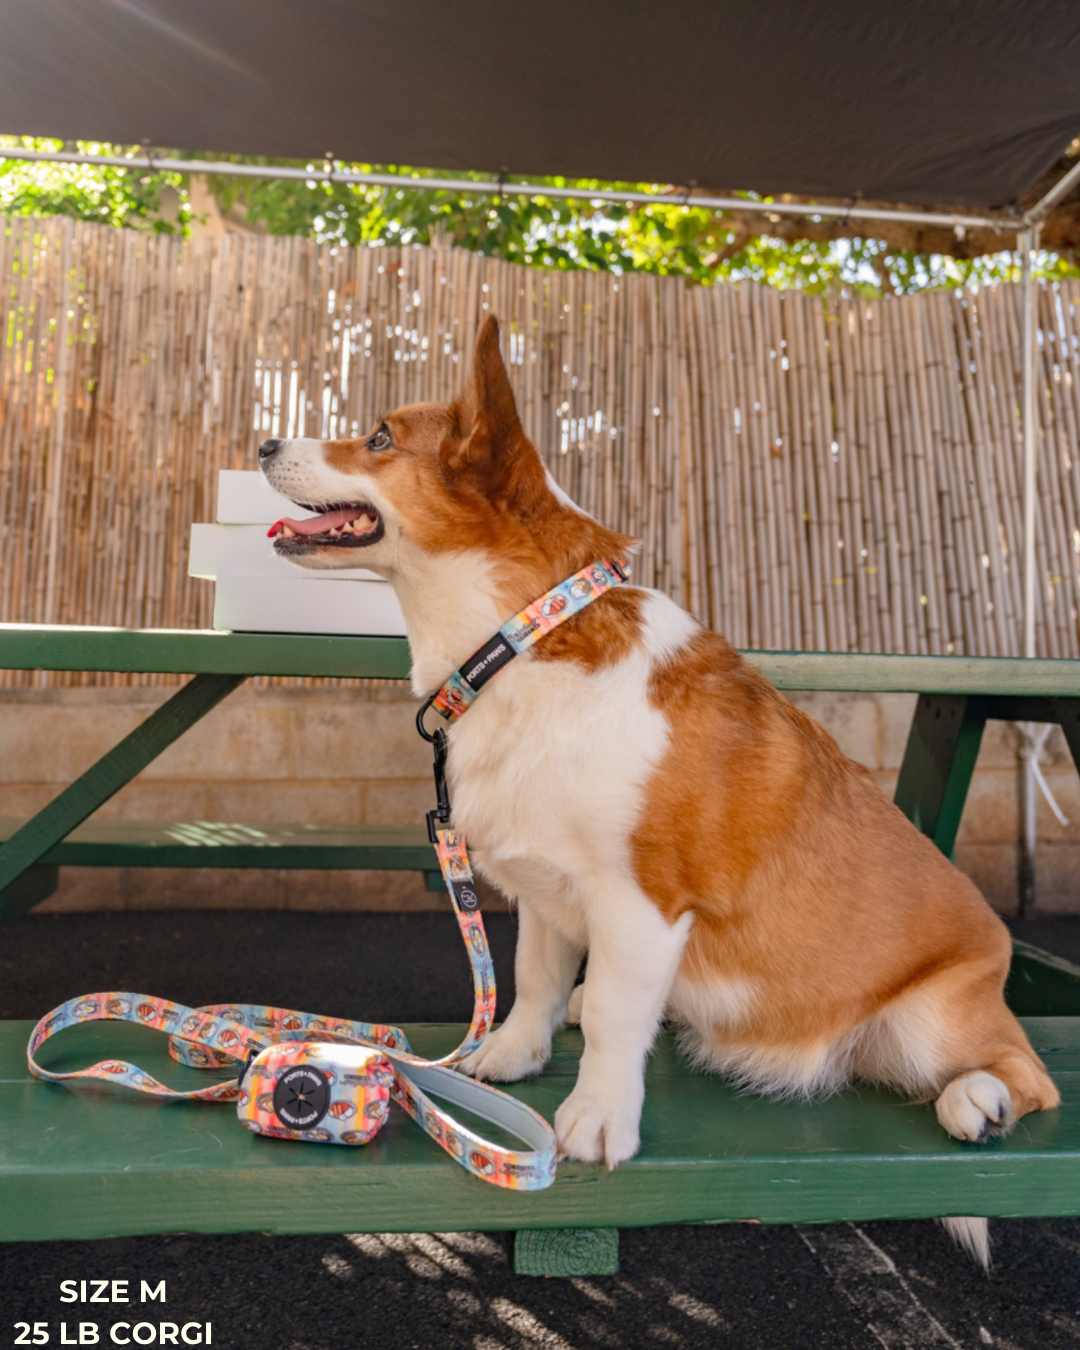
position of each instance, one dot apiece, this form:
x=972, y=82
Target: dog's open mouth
x=334, y=526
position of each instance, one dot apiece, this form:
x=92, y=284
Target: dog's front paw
x=975, y=1106
x=590, y=1129
x=507, y=1056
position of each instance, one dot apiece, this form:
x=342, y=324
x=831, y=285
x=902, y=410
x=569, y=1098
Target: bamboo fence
x=813, y=474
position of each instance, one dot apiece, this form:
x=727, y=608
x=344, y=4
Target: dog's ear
x=487, y=442
x=488, y=405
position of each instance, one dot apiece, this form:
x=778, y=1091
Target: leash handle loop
x=211, y=1039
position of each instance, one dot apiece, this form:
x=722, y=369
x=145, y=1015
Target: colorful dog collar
x=518, y=634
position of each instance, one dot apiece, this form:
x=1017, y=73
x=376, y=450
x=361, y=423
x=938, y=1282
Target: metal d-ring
x=427, y=703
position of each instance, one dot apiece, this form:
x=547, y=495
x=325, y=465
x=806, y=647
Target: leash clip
x=441, y=813
x=253, y=1054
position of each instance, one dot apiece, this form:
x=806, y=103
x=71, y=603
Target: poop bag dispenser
x=328, y=1094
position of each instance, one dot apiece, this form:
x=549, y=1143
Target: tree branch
x=1060, y=230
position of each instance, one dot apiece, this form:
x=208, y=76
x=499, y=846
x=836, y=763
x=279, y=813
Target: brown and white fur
x=650, y=799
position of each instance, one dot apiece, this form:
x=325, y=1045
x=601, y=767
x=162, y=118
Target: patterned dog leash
x=330, y=1080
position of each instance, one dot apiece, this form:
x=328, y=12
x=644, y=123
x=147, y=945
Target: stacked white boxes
x=258, y=592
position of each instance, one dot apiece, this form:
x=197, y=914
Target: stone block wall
x=352, y=755
x=276, y=755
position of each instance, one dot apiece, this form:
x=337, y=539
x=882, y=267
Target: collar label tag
x=491, y=657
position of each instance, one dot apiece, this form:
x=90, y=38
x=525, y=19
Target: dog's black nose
x=269, y=448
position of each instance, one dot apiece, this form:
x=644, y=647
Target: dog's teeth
x=289, y=534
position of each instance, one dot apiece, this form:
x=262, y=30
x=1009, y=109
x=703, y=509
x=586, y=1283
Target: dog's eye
x=381, y=440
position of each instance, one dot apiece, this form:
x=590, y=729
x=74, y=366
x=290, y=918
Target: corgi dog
x=651, y=800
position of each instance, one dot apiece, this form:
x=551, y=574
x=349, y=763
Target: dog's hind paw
x=506, y=1057
x=590, y=1131
x=975, y=1106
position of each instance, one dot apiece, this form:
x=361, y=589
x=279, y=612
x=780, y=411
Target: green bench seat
x=90, y=1161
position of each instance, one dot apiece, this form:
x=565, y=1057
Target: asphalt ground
x=844, y=1286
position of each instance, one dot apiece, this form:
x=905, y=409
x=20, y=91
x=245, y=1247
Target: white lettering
x=88, y=1333
x=485, y=661
x=95, y=1291
x=64, y=1340
x=151, y=1295
x=147, y=1333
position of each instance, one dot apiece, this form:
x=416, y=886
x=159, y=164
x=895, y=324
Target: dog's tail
x=973, y=1235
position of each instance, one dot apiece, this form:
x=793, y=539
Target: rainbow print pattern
x=359, y=1078
x=212, y=1042
x=554, y=607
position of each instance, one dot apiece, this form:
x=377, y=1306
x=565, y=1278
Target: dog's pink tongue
x=323, y=524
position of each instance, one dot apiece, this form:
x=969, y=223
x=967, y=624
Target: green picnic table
x=89, y=1162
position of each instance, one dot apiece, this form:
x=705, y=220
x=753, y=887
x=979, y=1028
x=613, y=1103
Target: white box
x=293, y=605
x=259, y=592
x=244, y=550
x=246, y=498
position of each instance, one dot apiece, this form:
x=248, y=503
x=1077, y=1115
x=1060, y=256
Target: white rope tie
x=1032, y=743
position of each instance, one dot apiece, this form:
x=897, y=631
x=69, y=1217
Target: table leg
x=1067, y=715
x=100, y=782
x=566, y=1251
x=942, y=747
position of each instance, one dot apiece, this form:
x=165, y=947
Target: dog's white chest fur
x=548, y=769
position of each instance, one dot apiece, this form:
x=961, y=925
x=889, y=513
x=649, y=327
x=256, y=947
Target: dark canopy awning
x=922, y=101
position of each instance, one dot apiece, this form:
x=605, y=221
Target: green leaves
x=665, y=238
x=138, y=198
